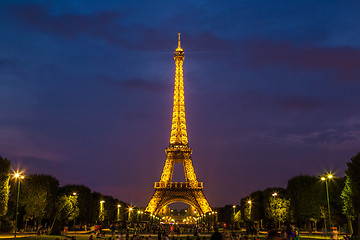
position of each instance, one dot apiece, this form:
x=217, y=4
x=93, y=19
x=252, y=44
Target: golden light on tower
x=166, y=191
x=178, y=127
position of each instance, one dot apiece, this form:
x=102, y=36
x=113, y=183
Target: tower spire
x=178, y=127
x=179, y=47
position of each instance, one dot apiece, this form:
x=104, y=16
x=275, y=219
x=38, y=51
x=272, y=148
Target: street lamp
x=275, y=194
x=130, y=210
x=101, y=214
x=18, y=177
x=326, y=178
x=118, y=212
x=234, y=213
x=250, y=203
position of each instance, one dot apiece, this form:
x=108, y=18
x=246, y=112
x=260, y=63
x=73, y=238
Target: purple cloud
x=342, y=61
x=70, y=25
x=136, y=83
x=107, y=25
x=303, y=104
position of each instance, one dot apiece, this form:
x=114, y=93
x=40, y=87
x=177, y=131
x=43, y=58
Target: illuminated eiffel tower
x=166, y=191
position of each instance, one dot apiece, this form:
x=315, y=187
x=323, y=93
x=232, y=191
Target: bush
x=6, y=225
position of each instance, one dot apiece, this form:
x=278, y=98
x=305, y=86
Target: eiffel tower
x=166, y=191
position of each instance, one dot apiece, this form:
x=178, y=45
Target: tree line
x=304, y=202
x=44, y=203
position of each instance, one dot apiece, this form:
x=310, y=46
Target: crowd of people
x=193, y=232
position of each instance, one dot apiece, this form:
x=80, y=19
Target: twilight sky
x=271, y=91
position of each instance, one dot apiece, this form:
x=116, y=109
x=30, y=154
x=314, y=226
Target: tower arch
x=177, y=200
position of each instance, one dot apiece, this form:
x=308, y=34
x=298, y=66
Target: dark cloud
x=4, y=62
x=135, y=83
x=340, y=134
x=102, y=24
x=303, y=104
x=341, y=62
x=334, y=137
x=107, y=25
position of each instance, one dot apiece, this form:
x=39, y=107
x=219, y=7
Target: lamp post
x=328, y=177
x=118, y=212
x=234, y=214
x=75, y=195
x=275, y=194
x=101, y=214
x=130, y=210
x=137, y=216
x=250, y=203
x=18, y=177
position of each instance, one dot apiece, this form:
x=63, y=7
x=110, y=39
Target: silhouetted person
x=216, y=235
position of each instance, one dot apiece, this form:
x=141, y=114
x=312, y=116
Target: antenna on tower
x=179, y=41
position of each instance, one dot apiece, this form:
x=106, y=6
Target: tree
x=351, y=194
x=4, y=185
x=348, y=208
x=267, y=195
x=306, y=195
x=278, y=209
x=67, y=209
x=88, y=205
x=336, y=185
x=246, y=210
x=39, y=195
x=225, y=214
x=237, y=217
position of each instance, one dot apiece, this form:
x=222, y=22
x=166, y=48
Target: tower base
x=178, y=192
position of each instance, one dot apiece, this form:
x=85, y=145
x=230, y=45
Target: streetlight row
x=328, y=176
x=323, y=178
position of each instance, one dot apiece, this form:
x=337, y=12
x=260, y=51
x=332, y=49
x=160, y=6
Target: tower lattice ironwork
x=166, y=191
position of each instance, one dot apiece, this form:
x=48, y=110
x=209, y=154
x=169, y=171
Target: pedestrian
x=216, y=235
x=273, y=235
x=112, y=228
